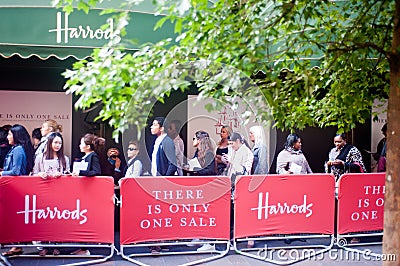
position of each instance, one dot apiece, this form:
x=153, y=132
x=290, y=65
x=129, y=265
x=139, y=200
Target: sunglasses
x=195, y=139
x=132, y=149
x=113, y=156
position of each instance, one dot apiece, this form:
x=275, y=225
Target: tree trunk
x=391, y=237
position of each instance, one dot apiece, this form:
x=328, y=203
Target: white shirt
x=240, y=160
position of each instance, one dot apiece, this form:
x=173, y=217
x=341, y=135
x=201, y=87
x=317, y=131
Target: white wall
x=32, y=108
x=200, y=119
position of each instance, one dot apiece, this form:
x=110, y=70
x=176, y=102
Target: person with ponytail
x=91, y=145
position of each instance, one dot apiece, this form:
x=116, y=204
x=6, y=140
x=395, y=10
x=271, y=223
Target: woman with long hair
x=256, y=135
x=48, y=127
x=4, y=146
x=52, y=163
x=18, y=161
x=222, y=148
x=54, y=152
x=204, y=154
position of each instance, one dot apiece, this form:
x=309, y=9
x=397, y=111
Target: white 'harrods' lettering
x=82, y=32
x=32, y=213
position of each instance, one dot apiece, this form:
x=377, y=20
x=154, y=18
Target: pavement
x=278, y=250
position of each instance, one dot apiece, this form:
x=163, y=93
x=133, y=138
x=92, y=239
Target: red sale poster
x=361, y=202
x=64, y=209
x=284, y=204
x=168, y=208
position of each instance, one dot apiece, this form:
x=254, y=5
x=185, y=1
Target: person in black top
x=204, y=154
x=4, y=146
x=114, y=166
x=36, y=138
x=222, y=149
x=90, y=143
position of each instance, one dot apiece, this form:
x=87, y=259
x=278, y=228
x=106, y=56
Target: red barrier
x=284, y=204
x=169, y=208
x=360, y=202
x=66, y=209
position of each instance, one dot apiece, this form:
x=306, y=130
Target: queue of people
x=167, y=155
x=231, y=156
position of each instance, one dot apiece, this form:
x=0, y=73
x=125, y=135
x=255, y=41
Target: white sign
x=79, y=166
x=32, y=108
x=380, y=110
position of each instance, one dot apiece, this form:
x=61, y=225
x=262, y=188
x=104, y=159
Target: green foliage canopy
x=316, y=63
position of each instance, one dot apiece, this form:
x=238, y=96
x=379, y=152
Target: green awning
x=33, y=27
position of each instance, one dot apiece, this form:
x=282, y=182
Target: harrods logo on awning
x=65, y=32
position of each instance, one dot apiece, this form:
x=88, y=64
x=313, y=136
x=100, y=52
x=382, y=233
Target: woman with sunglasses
x=135, y=166
x=204, y=154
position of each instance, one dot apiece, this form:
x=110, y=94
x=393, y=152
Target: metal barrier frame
x=4, y=261
x=341, y=242
x=101, y=258
x=92, y=258
x=319, y=248
x=220, y=253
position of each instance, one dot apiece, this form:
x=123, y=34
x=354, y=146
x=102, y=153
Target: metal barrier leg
x=92, y=259
x=219, y=253
x=341, y=242
x=4, y=261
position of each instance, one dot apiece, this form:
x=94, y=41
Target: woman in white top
x=260, y=164
x=53, y=162
x=239, y=159
x=134, y=167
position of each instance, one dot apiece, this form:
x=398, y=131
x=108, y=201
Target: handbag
x=382, y=164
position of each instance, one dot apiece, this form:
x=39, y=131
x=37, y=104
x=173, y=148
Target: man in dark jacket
x=163, y=159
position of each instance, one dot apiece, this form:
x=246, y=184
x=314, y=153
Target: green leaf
x=160, y=23
x=83, y=6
